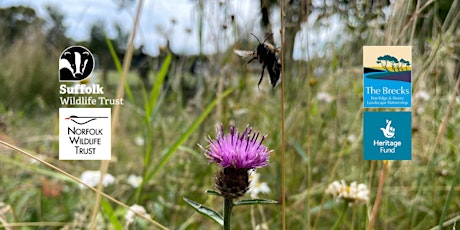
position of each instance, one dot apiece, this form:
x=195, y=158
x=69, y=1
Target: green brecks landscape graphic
x=390, y=63
x=390, y=69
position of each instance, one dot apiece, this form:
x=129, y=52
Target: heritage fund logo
x=84, y=134
x=388, y=131
x=387, y=136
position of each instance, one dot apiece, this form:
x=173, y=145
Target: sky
x=371, y=53
x=176, y=20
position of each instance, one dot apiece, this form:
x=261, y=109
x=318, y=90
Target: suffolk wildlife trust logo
x=84, y=134
x=387, y=76
x=387, y=135
x=75, y=64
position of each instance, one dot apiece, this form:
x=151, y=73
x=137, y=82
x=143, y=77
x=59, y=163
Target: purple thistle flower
x=237, y=150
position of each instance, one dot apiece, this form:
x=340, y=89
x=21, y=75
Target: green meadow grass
x=319, y=138
x=323, y=144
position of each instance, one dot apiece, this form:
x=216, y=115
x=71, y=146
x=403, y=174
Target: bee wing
x=244, y=53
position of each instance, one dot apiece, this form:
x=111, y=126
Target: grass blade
x=158, y=84
x=449, y=197
x=205, y=211
x=118, y=66
x=184, y=137
x=111, y=215
x=150, y=103
x=254, y=202
x=213, y=193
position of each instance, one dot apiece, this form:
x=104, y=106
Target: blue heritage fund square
x=387, y=135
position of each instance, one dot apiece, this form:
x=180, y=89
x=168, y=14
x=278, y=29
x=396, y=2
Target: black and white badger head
x=76, y=63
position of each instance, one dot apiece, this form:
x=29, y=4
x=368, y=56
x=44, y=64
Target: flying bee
x=267, y=55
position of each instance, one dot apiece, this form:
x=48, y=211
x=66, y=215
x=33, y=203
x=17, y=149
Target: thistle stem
x=228, y=206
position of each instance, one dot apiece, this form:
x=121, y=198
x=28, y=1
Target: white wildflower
x=262, y=226
x=324, y=97
x=351, y=138
x=239, y=112
x=422, y=95
x=130, y=215
x=33, y=161
x=92, y=178
x=353, y=194
x=139, y=141
x=256, y=186
x=134, y=180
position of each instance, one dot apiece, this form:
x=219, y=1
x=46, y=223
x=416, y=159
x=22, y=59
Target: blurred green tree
x=28, y=77
x=98, y=46
x=16, y=22
x=55, y=36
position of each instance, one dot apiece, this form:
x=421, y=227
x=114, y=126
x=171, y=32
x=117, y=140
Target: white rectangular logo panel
x=85, y=133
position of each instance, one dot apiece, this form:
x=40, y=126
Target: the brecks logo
x=82, y=120
x=75, y=64
x=388, y=131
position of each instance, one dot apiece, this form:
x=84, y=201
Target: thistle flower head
x=237, y=153
x=237, y=150
x=232, y=182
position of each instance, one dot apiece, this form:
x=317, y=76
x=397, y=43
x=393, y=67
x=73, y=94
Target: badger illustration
x=76, y=63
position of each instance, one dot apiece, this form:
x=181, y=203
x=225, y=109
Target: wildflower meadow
x=223, y=115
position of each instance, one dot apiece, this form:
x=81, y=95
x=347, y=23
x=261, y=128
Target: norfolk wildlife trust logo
x=84, y=133
x=82, y=120
x=387, y=136
x=387, y=76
